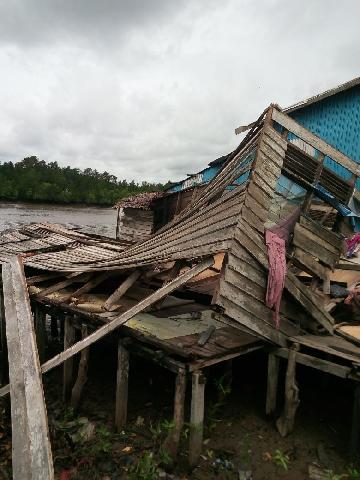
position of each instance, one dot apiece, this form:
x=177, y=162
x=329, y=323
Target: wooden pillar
x=117, y=233
x=82, y=373
x=355, y=424
x=69, y=339
x=272, y=383
x=54, y=327
x=196, y=417
x=4, y=351
x=172, y=441
x=285, y=424
x=122, y=378
x=40, y=331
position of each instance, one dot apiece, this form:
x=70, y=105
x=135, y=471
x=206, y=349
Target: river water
x=98, y=220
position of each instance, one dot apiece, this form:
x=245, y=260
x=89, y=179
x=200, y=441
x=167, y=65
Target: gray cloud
x=154, y=89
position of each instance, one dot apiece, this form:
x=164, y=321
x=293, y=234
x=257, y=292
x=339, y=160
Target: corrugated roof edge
x=328, y=93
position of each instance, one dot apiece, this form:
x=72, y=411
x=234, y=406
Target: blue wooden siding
x=336, y=119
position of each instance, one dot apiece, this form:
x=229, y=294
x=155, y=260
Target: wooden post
x=54, y=327
x=172, y=441
x=285, y=424
x=272, y=383
x=196, y=417
x=69, y=339
x=82, y=373
x=122, y=289
x=122, y=378
x=117, y=233
x=4, y=351
x=40, y=331
x=355, y=424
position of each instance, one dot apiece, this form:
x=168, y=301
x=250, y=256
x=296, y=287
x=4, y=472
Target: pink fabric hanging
x=277, y=238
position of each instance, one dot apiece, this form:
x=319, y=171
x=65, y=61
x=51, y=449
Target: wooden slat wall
x=135, y=224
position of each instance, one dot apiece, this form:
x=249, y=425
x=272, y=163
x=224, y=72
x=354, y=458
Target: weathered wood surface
x=272, y=383
x=314, y=246
x=285, y=424
x=81, y=378
x=122, y=380
x=122, y=289
x=32, y=458
x=123, y=318
x=68, y=368
x=196, y=417
x=172, y=441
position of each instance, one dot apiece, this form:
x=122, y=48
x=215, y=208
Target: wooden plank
x=305, y=240
x=122, y=289
x=335, y=239
x=317, y=363
x=196, y=417
x=122, y=380
x=121, y=319
x=91, y=284
x=315, y=141
x=31, y=457
x=63, y=284
x=272, y=383
x=40, y=331
x=42, y=278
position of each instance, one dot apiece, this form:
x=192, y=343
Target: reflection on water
x=101, y=221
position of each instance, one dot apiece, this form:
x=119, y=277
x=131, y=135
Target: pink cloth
x=277, y=271
x=352, y=243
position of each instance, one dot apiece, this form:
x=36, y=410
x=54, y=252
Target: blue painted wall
x=336, y=119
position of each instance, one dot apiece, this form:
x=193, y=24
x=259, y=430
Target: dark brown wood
x=285, y=424
x=122, y=379
x=172, y=441
x=272, y=383
x=196, y=417
x=40, y=331
x=81, y=379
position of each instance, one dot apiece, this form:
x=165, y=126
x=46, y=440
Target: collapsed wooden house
x=194, y=293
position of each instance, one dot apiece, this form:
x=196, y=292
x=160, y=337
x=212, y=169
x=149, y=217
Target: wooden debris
x=82, y=373
x=122, y=387
x=196, y=417
x=122, y=289
x=205, y=336
x=31, y=457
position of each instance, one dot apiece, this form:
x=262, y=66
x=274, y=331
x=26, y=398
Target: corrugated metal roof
x=327, y=93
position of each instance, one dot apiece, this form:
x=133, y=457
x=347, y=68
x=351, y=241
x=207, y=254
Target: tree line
x=35, y=180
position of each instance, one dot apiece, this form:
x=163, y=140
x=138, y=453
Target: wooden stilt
x=40, y=331
x=196, y=417
x=272, y=383
x=285, y=424
x=82, y=373
x=4, y=351
x=121, y=387
x=172, y=441
x=54, y=327
x=355, y=424
x=69, y=339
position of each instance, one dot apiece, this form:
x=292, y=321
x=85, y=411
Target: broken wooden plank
x=61, y=285
x=205, y=336
x=32, y=458
x=90, y=284
x=121, y=319
x=122, y=289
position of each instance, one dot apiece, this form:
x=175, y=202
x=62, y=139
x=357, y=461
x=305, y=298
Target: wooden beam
x=82, y=373
x=272, y=383
x=122, y=378
x=68, y=372
x=318, y=363
x=40, y=331
x=42, y=278
x=61, y=285
x=122, y=289
x=91, y=284
x=196, y=417
x=315, y=141
x=31, y=450
x=172, y=441
x=123, y=318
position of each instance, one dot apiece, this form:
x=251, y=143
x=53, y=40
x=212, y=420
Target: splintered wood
x=32, y=458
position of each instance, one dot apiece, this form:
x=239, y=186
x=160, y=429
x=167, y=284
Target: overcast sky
x=153, y=89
